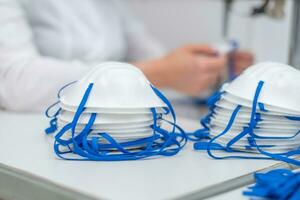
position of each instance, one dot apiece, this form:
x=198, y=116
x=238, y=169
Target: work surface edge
x=183, y=173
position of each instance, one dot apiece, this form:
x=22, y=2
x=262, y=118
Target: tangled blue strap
x=53, y=122
x=64, y=87
x=203, y=133
x=167, y=102
x=53, y=117
x=280, y=156
x=293, y=118
x=261, y=107
x=279, y=184
x=102, y=147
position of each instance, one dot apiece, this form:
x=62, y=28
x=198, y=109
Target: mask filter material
x=111, y=114
x=256, y=116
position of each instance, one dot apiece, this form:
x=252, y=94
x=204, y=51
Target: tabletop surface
x=232, y=195
x=24, y=146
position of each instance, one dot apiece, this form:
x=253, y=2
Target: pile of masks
x=113, y=113
x=258, y=112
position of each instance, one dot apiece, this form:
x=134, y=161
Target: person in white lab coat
x=45, y=44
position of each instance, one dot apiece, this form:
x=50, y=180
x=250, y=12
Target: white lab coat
x=45, y=44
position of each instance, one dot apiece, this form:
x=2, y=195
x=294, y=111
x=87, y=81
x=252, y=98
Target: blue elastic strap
x=64, y=87
x=204, y=146
x=214, y=98
x=53, y=122
x=293, y=118
x=252, y=126
x=198, y=135
x=261, y=107
x=53, y=125
x=211, y=145
x=278, y=156
x=203, y=133
x=50, y=108
x=166, y=101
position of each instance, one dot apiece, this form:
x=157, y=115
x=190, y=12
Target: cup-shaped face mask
x=115, y=86
x=281, y=85
x=258, y=112
x=114, y=113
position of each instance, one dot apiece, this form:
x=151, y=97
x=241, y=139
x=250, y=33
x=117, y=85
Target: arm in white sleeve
x=28, y=81
x=141, y=44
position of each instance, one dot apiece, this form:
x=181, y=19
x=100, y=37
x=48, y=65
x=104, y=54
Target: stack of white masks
x=113, y=113
x=258, y=112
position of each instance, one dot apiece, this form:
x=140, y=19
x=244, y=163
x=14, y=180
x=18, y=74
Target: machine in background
x=275, y=10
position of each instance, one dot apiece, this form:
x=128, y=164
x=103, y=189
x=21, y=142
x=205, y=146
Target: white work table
x=26, y=150
x=232, y=195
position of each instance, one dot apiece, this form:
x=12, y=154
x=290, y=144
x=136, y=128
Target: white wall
x=177, y=22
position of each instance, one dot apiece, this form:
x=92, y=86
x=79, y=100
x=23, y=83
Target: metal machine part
x=275, y=10
x=271, y=8
x=294, y=56
x=226, y=15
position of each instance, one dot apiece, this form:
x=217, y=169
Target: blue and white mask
x=258, y=112
x=111, y=114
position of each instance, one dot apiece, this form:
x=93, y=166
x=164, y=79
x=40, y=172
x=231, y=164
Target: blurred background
x=64, y=32
x=269, y=34
x=202, y=21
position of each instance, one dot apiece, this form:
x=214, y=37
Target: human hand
x=190, y=69
x=242, y=60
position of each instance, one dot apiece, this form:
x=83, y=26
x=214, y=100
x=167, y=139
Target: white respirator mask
x=258, y=112
x=113, y=113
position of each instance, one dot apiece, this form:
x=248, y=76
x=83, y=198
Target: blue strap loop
x=53, y=126
x=261, y=107
x=64, y=87
x=203, y=133
x=50, y=108
x=293, y=118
